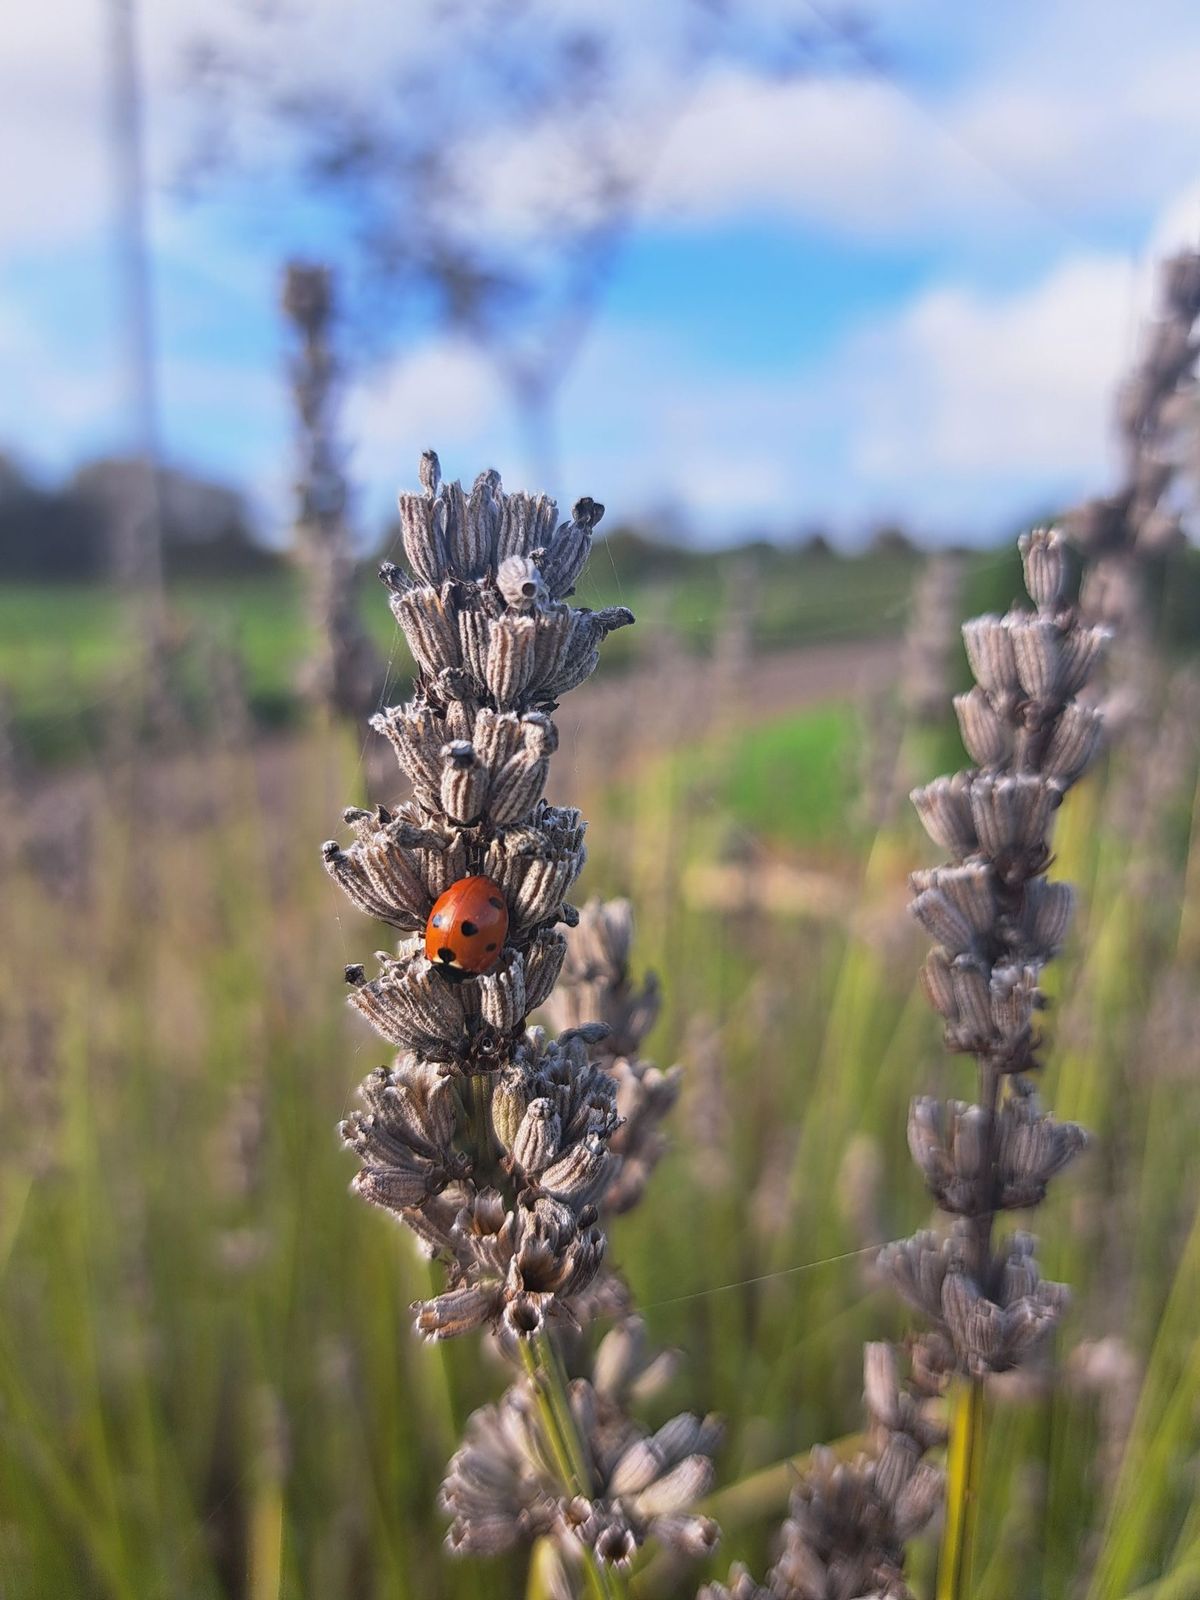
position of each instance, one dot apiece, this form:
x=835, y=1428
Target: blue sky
x=845, y=296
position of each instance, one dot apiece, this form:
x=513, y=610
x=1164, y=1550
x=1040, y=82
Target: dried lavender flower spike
x=346, y=673
x=500, y=1147
x=996, y=921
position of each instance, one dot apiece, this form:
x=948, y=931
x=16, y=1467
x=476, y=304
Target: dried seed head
x=1044, y=558
x=990, y=652
x=429, y=471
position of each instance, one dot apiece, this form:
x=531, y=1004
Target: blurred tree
x=206, y=529
x=46, y=535
x=488, y=187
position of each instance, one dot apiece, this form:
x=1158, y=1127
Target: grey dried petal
x=1012, y=813
x=441, y=868
x=1026, y=1324
x=942, y=921
x=464, y=783
x=429, y=471
x=1031, y=1149
x=1019, y=1275
x=990, y=652
x=944, y=807
x=568, y=551
x=553, y=636
x=521, y=583
x=974, y=1023
x=897, y=1460
x=379, y=880
x=568, y=657
x=937, y=981
x=511, y=658
x=394, y=1187
x=656, y=1376
x=1045, y=919
x=539, y=1137
x=422, y=544
x=413, y=1007
x=927, y=1141
x=968, y=889
x=431, y=631
x=636, y=1468
x=949, y=1145
x=579, y=1176
x=1038, y=656
x=917, y=1501
x=677, y=1489
x=527, y=524
x=458, y=1311
x=739, y=1586
x=502, y=1002
x=496, y=736
x=509, y=1100
x=1013, y=993
x=417, y=735
x=481, y=525
x=541, y=886
x=543, y=963
x=687, y=1435
x=415, y=1101
x=881, y=1383
x=474, y=638
x=518, y=785
x=1044, y=559
x=975, y=1324
x=620, y=1356
x=692, y=1536
x=987, y=737
x=917, y=1267
x=1082, y=649
x=1073, y=743
x=450, y=521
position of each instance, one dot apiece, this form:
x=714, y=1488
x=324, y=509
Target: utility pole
x=137, y=540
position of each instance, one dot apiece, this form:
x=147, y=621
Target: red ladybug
x=467, y=926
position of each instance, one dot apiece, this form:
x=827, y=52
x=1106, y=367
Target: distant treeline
x=67, y=534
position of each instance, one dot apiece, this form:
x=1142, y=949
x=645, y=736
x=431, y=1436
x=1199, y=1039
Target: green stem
x=481, y=1122
x=548, y=1379
x=963, y=1473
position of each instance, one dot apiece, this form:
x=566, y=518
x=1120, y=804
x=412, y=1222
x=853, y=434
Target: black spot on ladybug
x=490, y=947
x=445, y=955
x=469, y=930
x=493, y=901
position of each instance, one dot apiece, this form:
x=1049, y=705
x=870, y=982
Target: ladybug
x=467, y=926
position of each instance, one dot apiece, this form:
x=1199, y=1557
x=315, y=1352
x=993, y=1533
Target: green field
x=208, y=1382
x=209, y=1388
x=67, y=651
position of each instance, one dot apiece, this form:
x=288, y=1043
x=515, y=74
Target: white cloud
x=961, y=411
x=963, y=385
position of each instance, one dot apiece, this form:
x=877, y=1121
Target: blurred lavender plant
x=850, y=1521
x=997, y=921
x=499, y=1146
x=1156, y=417
x=346, y=675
